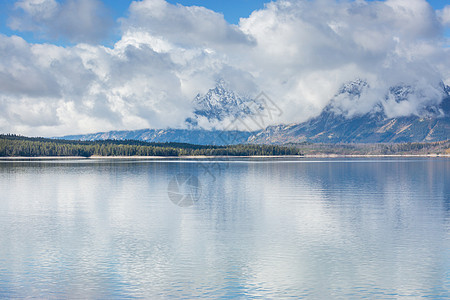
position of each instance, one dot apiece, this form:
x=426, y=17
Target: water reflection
x=312, y=228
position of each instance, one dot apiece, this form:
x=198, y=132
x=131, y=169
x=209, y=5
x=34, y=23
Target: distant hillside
x=191, y=136
x=438, y=148
x=330, y=128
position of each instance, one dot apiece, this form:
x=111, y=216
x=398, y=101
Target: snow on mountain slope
x=220, y=104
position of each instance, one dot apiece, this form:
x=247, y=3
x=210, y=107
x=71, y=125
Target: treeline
x=419, y=148
x=14, y=146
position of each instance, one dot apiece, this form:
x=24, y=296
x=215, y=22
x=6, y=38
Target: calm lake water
x=300, y=228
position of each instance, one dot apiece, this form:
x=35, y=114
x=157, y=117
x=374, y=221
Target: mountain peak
x=355, y=87
x=220, y=103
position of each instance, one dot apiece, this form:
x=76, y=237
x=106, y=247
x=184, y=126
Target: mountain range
x=431, y=122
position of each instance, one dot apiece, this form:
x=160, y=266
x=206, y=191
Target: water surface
x=279, y=228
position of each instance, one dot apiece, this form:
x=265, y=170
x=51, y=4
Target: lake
x=375, y=228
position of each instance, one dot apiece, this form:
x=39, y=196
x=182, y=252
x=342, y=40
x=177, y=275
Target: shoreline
x=24, y=158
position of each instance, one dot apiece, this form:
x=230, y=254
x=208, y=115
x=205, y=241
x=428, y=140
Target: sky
x=83, y=66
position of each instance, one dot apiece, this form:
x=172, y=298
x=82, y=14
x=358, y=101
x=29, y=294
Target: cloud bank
x=298, y=52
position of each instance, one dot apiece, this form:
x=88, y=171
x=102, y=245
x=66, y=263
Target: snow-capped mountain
x=221, y=103
x=337, y=123
x=348, y=118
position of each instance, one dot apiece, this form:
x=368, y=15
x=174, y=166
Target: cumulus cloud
x=74, y=20
x=22, y=73
x=299, y=53
x=183, y=26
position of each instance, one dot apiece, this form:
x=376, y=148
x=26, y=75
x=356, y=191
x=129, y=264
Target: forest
x=20, y=146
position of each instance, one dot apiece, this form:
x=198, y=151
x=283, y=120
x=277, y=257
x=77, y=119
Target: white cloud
x=22, y=73
x=182, y=25
x=444, y=15
x=298, y=52
x=75, y=20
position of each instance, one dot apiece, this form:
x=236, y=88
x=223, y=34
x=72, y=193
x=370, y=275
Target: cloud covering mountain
x=300, y=53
